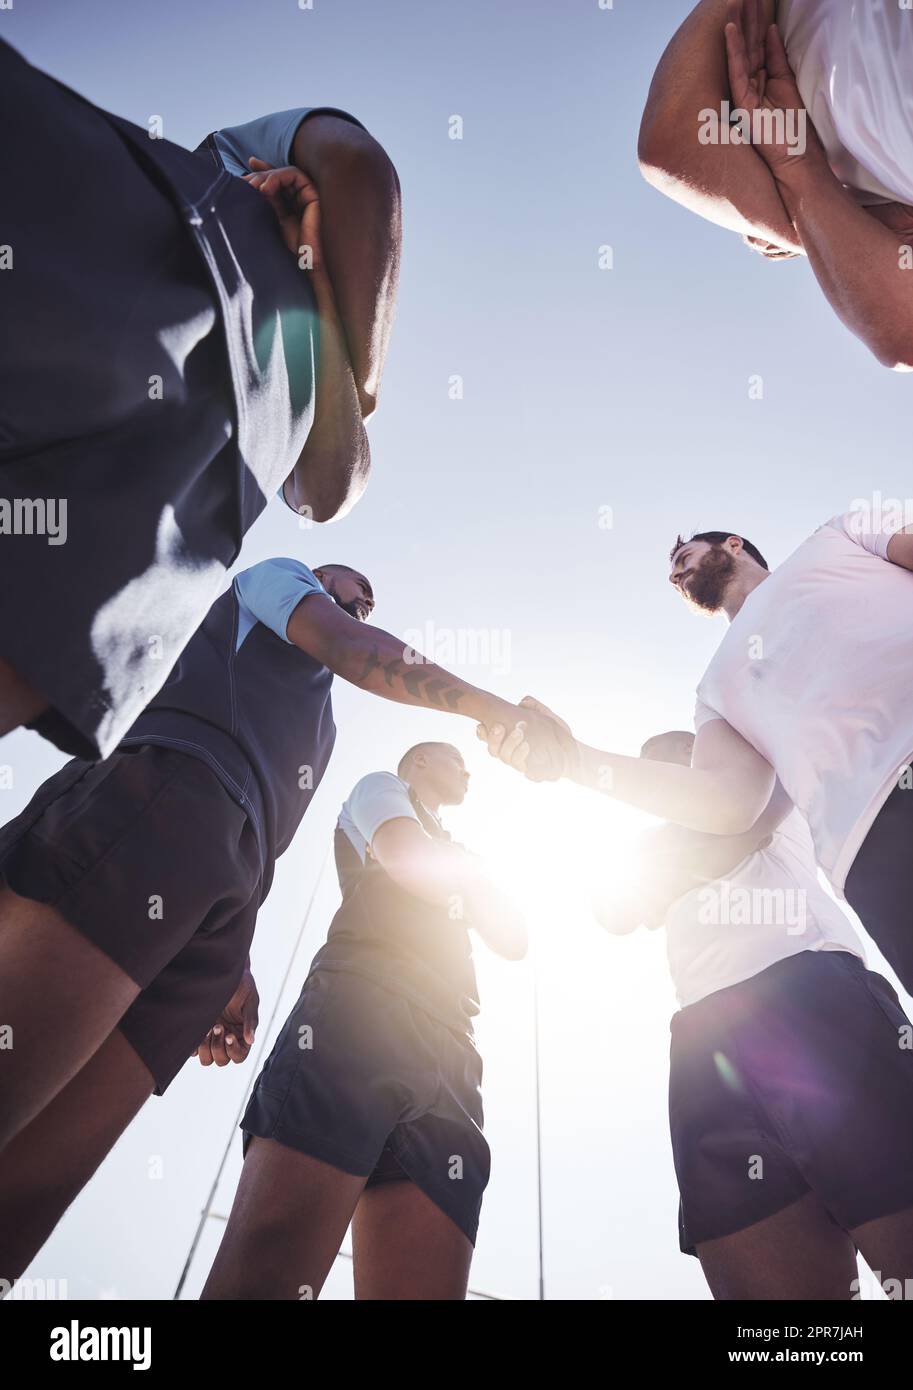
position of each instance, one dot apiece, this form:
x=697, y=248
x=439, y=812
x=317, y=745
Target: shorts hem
x=892, y=1207
x=162, y=1077
x=65, y=904
x=886, y=1206
x=317, y=1147
x=689, y=1241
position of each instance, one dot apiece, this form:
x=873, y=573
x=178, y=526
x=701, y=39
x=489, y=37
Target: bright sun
x=552, y=847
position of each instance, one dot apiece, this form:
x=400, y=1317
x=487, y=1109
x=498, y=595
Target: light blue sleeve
x=377, y=798
x=270, y=138
x=270, y=592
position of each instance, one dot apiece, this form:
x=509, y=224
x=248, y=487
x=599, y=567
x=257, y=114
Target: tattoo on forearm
x=425, y=682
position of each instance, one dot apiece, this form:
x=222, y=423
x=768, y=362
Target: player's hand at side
x=231, y=1037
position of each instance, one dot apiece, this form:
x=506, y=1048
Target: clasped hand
x=538, y=744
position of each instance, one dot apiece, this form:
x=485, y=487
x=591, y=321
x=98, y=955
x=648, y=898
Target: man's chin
x=705, y=604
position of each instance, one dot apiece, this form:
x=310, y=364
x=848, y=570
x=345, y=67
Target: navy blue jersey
x=249, y=703
x=386, y=933
x=160, y=359
x=267, y=306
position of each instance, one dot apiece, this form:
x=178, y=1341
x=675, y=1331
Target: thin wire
x=538, y=1130
x=253, y=1073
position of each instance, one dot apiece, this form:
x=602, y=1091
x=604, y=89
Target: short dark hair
x=718, y=538
x=402, y=766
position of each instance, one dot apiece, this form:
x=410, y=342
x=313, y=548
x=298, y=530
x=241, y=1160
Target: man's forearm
x=361, y=235
x=675, y=860
x=689, y=857
x=730, y=184
x=382, y=665
x=700, y=799
x=447, y=876
x=491, y=913
x=332, y=470
x=861, y=265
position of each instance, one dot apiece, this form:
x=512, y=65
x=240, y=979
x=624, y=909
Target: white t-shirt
x=816, y=672
x=770, y=907
x=377, y=798
x=853, y=61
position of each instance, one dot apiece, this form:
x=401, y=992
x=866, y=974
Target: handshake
x=532, y=739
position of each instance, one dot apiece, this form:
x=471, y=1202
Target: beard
x=707, y=585
x=353, y=608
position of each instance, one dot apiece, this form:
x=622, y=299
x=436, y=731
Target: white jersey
x=816, y=673
x=853, y=61
x=770, y=907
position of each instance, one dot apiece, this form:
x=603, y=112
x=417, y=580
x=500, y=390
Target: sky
x=521, y=532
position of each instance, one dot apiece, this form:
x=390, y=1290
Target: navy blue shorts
x=363, y=1079
x=879, y=885
x=150, y=859
x=797, y=1080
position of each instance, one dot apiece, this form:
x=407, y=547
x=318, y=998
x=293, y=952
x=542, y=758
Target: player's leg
x=121, y=878
x=798, y=1253
x=405, y=1247
x=886, y=1244
x=868, y=1162
x=415, y=1226
x=60, y=998
x=287, y=1222
x=50, y=1161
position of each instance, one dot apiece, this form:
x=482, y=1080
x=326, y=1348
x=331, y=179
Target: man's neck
x=740, y=588
x=426, y=797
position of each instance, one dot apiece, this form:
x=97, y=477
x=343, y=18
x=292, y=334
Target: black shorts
x=879, y=885
x=148, y=857
x=362, y=1078
x=797, y=1080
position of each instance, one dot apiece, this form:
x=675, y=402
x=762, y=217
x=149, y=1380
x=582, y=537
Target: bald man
x=368, y=1109
x=790, y=1087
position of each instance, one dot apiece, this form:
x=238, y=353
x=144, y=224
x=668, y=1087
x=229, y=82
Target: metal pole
x=538, y=1129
